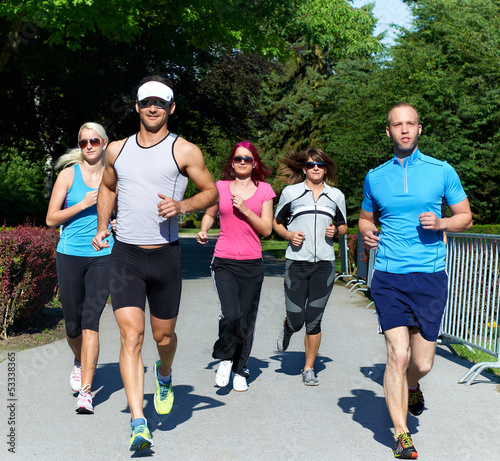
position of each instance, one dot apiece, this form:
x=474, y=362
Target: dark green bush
x=22, y=187
x=28, y=276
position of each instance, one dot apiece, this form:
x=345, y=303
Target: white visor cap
x=155, y=89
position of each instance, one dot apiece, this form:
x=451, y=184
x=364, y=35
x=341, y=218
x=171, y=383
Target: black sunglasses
x=159, y=103
x=239, y=159
x=94, y=142
x=311, y=165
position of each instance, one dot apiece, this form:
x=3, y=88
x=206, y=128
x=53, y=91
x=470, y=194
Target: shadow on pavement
x=107, y=381
x=292, y=363
x=375, y=373
x=254, y=365
x=444, y=352
x=370, y=411
x=196, y=259
x=273, y=267
x=185, y=404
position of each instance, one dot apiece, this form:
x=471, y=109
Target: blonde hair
x=75, y=156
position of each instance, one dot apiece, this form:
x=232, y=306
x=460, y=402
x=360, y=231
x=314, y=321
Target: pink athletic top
x=238, y=239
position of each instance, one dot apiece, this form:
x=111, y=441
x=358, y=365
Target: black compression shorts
x=140, y=273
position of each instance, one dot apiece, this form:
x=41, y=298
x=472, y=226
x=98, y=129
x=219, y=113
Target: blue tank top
x=77, y=233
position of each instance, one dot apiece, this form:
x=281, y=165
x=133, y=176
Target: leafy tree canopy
x=296, y=96
x=448, y=64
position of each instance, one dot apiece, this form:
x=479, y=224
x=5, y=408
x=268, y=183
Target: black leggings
x=307, y=289
x=238, y=283
x=84, y=290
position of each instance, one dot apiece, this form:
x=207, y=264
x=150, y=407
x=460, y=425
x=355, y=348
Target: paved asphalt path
x=278, y=418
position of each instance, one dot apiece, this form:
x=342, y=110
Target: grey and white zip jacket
x=298, y=212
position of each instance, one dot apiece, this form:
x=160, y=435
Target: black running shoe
x=404, y=448
x=283, y=339
x=416, y=401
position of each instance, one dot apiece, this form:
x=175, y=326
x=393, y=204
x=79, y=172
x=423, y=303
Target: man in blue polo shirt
x=410, y=285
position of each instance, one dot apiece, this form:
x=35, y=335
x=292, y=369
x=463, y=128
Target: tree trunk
x=12, y=42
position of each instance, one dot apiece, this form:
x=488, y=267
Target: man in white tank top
x=148, y=174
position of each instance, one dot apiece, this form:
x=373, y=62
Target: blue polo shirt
x=400, y=193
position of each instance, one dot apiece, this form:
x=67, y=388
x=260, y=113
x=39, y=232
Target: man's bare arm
x=106, y=196
x=368, y=229
x=190, y=161
x=460, y=220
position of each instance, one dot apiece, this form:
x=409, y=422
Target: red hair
x=258, y=173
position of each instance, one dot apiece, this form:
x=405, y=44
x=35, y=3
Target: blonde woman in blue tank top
x=82, y=273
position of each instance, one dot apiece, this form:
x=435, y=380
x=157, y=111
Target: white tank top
x=143, y=172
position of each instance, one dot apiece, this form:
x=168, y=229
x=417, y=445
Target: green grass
x=275, y=247
x=185, y=231
x=476, y=356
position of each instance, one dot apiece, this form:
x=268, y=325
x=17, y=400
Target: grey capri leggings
x=308, y=286
x=84, y=290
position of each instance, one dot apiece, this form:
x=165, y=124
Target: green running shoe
x=164, y=394
x=141, y=438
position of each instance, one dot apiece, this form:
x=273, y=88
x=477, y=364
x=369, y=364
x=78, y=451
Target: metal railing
x=345, y=270
x=362, y=280
x=472, y=312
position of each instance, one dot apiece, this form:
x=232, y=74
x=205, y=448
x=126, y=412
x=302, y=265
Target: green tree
x=219, y=24
x=353, y=128
x=321, y=35
x=448, y=64
x=22, y=188
x=70, y=61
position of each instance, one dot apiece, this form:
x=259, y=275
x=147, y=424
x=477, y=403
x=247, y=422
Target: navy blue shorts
x=415, y=299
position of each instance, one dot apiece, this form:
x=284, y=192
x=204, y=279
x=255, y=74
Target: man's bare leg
x=421, y=359
x=131, y=321
x=395, y=380
x=166, y=342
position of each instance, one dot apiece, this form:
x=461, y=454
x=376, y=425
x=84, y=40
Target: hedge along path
x=28, y=277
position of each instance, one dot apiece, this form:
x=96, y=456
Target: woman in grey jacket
x=310, y=214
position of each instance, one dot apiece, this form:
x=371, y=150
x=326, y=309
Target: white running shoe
x=75, y=379
x=84, y=402
x=309, y=377
x=239, y=383
x=223, y=374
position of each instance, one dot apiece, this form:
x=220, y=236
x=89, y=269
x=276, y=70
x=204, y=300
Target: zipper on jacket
x=315, y=225
x=405, y=178
x=315, y=222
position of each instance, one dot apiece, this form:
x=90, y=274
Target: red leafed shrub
x=352, y=251
x=28, y=276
